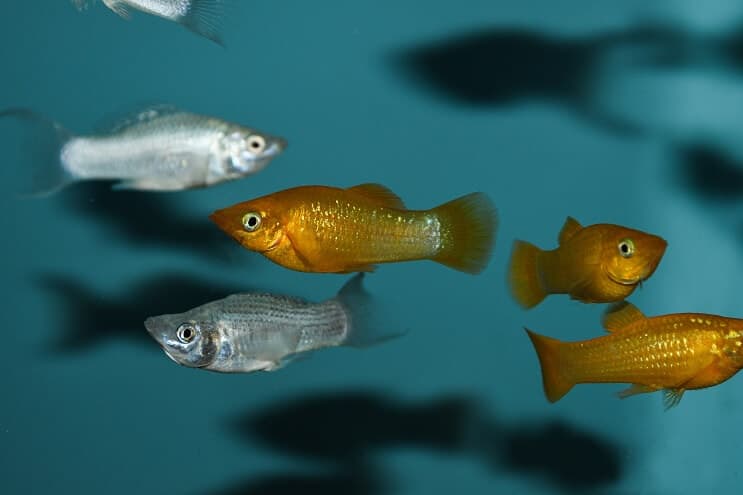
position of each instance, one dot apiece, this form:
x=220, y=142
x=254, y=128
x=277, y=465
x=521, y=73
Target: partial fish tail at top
x=205, y=18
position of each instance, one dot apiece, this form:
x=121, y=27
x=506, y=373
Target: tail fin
x=366, y=328
x=43, y=172
x=548, y=351
x=205, y=18
x=523, y=275
x=468, y=226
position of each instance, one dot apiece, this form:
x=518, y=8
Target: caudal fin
x=468, y=226
x=367, y=323
x=40, y=164
x=205, y=18
x=553, y=377
x=523, y=275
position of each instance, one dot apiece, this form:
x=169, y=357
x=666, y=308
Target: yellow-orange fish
x=673, y=353
x=329, y=229
x=599, y=263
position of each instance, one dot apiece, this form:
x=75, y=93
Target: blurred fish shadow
x=91, y=318
x=506, y=66
x=709, y=173
x=151, y=219
x=352, y=427
x=351, y=480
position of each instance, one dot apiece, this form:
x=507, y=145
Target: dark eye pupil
x=255, y=144
x=252, y=221
x=187, y=334
x=624, y=248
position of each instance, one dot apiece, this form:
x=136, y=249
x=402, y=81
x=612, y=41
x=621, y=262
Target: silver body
x=251, y=332
x=203, y=17
x=173, y=10
x=168, y=150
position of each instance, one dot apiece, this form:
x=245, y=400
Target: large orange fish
x=673, y=353
x=329, y=229
x=599, y=263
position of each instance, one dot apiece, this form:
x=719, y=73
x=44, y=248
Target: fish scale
x=674, y=352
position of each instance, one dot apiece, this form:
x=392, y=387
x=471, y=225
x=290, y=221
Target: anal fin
x=671, y=397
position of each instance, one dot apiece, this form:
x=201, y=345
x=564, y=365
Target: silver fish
x=200, y=16
x=158, y=149
x=262, y=332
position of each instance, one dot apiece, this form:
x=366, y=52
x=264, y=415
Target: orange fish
x=599, y=263
x=329, y=229
x=673, y=353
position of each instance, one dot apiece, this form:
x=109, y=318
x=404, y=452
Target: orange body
x=327, y=229
x=674, y=352
x=598, y=263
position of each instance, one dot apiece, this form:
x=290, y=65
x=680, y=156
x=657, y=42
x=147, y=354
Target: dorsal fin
x=569, y=229
x=137, y=116
x=379, y=194
x=619, y=315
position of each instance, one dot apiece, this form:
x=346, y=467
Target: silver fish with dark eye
x=253, y=331
x=203, y=17
x=159, y=148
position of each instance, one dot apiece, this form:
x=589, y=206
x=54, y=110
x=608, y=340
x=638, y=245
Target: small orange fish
x=673, y=353
x=329, y=229
x=599, y=263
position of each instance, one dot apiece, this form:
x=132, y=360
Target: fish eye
x=256, y=143
x=186, y=333
x=251, y=221
x=626, y=248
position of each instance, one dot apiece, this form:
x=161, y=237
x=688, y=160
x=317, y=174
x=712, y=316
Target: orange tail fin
x=468, y=227
x=556, y=384
x=523, y=275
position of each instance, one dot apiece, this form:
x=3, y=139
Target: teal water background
x=606, y=111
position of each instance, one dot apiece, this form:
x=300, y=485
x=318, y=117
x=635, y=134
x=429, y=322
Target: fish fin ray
x=120, y=8
x=635, y=389
x=379, y=194
x=468, y=227
x=548, y=350
x=365, y=328
x=569, y=229
x=132, y=117
x=524, y=279
x=672, y=397
x=620, y=315
x=43, y=171
x=205, y=18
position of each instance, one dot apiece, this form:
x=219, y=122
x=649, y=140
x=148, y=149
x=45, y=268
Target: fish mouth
x=626, y=281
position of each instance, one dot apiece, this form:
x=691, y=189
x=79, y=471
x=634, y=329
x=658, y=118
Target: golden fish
x=673, y=353
x=599, y=263
x=329, y=229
